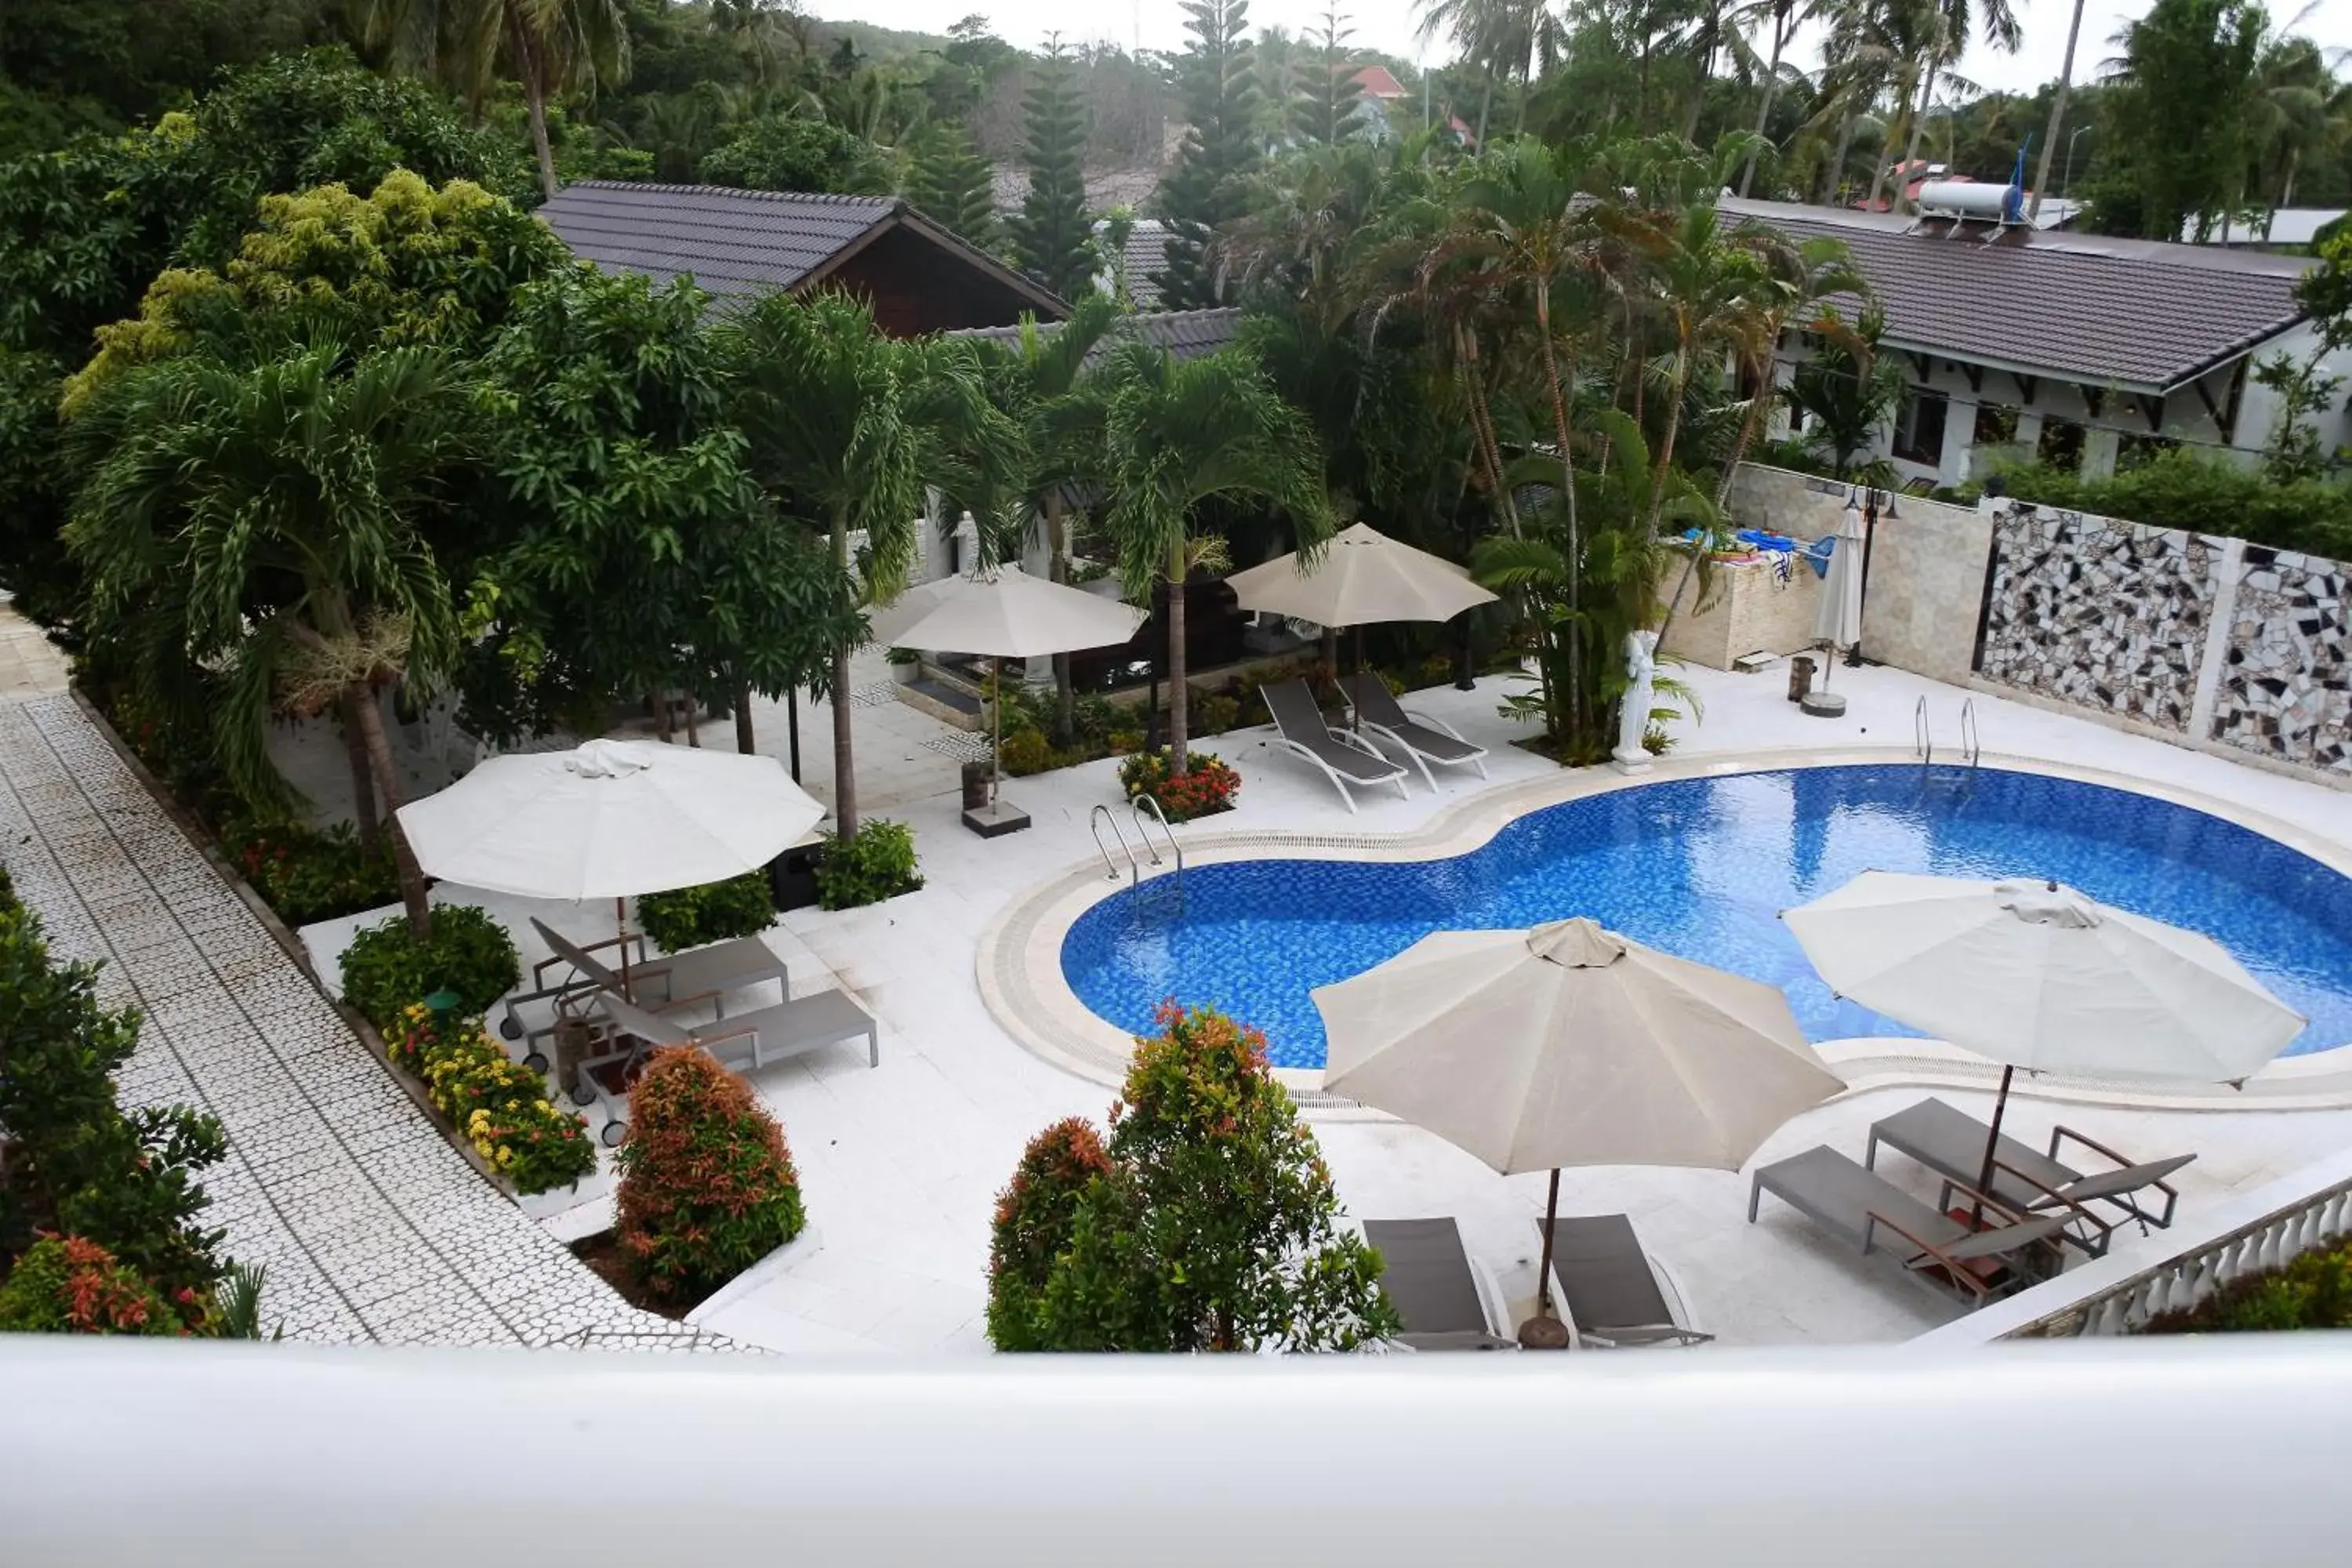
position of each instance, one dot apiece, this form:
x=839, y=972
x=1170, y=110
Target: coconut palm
x=1786, y=16
x=550, y=47
x=1504, y=37
x=263, y=522
x=1178, y=435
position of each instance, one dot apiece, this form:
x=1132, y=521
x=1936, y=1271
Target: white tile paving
x=371, y=1227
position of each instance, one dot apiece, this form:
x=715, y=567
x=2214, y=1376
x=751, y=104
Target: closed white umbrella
x=1571, y=1045
x=2036, y=975
x=608, y=820
x=1004, y=613
x=1838, y=619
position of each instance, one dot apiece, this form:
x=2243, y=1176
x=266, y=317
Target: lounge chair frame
x=1379, y=714
x=1497, y=1332
x=1673, y=1322
x=1950, y=1142
x=1298, y=691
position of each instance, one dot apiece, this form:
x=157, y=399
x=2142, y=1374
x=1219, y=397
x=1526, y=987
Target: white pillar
x=2100, y=449
x=1959, y=441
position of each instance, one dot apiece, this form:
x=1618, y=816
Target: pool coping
x=1019, y=970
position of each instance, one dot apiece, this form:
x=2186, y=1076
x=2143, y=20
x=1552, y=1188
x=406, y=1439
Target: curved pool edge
x=1019, y=968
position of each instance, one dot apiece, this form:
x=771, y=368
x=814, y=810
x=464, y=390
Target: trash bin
x=975, y=784
x=1801, y=677
x=573, y=1039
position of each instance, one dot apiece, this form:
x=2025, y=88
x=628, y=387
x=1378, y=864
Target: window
x=1996, y=425
x=1919, y=426
x=2061, y=445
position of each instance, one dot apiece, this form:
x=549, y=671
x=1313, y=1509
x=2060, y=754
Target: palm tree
x=825, y=402
x=264, y=523
x=1947, y=40
x=550, y=47
x=1177, y=434
x=1504, y=37
x=1786, y=16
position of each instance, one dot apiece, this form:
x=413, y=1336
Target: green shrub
x=70, y=1285
x=386, y=968
x=878, y=864
x=2180, y=489
x=1095, y=717
x=500, y=1106
x=1034, y=1215
x=73, y=1162
x=1216, y=713
x=708, y=1187
x=715, y=911
x=1026, y=752
x=2313, y=1291
x=307, y=876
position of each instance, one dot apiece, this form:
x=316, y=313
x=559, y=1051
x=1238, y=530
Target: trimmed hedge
x=386, y=968
x=708, y=1187
x=715, y=911
x=878, y=864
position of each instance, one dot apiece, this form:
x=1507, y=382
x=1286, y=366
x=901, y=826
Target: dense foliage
x=2182, y=490
x=2313, y=1291
x=708, y=1187
x=1208, y=1223
x=878, y=864
x=1202, y=787
x=387, y=967
x=118, y=1188
x=715, y=911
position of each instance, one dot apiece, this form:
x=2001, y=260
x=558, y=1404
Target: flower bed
x=500, y=1106
x=1206, y=786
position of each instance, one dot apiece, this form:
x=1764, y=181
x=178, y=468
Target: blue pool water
x=1701, y=867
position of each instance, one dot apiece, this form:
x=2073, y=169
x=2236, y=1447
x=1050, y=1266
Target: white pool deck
x=900, y=1164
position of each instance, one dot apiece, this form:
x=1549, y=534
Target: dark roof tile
x=2138, y=315
x=1186, y=334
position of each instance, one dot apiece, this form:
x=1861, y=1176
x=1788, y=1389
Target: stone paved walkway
x=371, y=1226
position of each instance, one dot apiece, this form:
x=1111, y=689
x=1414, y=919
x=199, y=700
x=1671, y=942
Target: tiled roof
x=738, y=242
x=2135, y=314
x=1186, y=334
x=1145, y=255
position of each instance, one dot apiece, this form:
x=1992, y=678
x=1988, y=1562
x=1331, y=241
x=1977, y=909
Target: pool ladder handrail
x=1923, y=737
x=1143, y=821
x=1969, y=746
x=1095, y=821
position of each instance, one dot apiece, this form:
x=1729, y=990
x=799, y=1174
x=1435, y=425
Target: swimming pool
x=1701, y=867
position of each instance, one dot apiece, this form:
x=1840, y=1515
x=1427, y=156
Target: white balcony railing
x=2223, y=1450
x=2171, y=1271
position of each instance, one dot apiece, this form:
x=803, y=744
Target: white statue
x=1640, y=669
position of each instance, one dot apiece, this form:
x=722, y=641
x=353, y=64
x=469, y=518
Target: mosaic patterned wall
x=2285, y=689
x=2099, y=613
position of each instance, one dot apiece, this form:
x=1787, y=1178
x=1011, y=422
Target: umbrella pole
x=1984, y=1179
x=621, y=925
x=1355, y=709
x=996, y=734
x=1544, y=1331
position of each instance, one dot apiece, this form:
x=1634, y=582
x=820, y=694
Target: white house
x=2077, y=347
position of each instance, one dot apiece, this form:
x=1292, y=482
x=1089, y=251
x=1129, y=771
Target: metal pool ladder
x=1923, y=733
x=1096, y=820
x=1104, y=816
x=1143, y=821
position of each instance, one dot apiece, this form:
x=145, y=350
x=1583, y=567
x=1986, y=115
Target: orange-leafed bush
x=708, y=1187
x=1033, y=1224
x=70, y=1285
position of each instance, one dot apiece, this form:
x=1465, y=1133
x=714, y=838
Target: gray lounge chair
x=793, y=1027
x=1424, y=737
x=1951, y=1144
x=672, y=978
x=1610, y=1292
x=1299, y=727
x=1858, y=1205
x=1446, y=1301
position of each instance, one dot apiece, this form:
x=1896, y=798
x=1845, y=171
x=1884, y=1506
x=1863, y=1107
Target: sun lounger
x=1299, y=728
x=711, y=971
x=789, y=1029
x=1424, y=738
x=1858, y=1205
x=1951, y=1144
x=1447, y=1302
x=1610, y=1292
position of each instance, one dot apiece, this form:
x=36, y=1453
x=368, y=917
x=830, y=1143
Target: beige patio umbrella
x=1571, y=1045
x=1004, y=613
x=2035, y=974
x=1838, y=620
x=1363, y=576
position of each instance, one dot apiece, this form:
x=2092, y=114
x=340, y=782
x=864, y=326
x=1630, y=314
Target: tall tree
x=2057, y=113
x=265, y=521
x=1051, y=237
x=551, y=48
x=2182, y=114
x=1786, y=16
x=1177, y=435
x=953, y=188
x=1207, y=189
x=1328, y=95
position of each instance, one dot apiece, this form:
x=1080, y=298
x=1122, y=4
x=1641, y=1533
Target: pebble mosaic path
x=372, y=1227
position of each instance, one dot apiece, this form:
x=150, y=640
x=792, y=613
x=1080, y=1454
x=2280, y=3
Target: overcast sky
x=1388, y=26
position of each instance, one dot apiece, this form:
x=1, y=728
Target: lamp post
x=2066, y=185
x=1871, y=513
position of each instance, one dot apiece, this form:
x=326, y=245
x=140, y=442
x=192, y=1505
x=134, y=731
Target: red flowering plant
x=72, y=1285
x=1208, y=1224
x=1205, y=786
x=708, y=1187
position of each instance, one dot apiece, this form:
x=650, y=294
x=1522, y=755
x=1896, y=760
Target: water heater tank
x=1971, y=198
